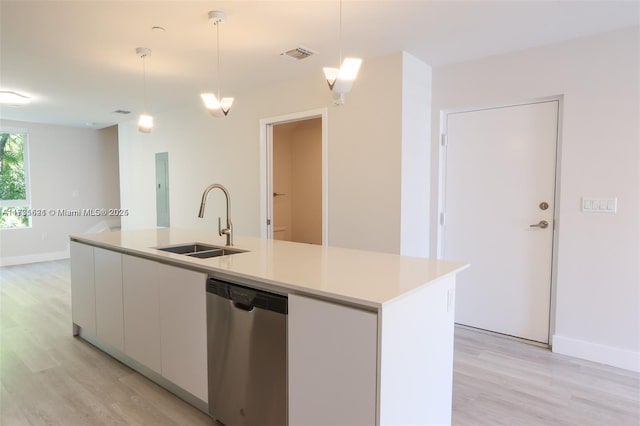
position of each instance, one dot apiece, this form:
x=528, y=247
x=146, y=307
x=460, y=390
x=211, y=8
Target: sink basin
x=201, y=251
x=188, y=248
x=214, y=253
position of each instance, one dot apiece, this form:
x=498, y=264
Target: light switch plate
x=600, y=205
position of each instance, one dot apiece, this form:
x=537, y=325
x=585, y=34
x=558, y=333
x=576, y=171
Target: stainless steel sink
x=188, y=248
x=214, y=253
x=200, y=250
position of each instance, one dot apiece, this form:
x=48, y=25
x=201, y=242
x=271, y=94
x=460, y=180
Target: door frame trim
x=441, y=184
x=266, y=162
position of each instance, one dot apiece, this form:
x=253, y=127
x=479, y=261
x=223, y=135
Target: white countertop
x=365, y=278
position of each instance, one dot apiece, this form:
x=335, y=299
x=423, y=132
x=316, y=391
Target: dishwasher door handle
x=242, y=306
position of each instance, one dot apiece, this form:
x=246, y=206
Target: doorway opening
x=294, y=187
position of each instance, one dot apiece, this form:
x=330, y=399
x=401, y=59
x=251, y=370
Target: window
x=14, y=180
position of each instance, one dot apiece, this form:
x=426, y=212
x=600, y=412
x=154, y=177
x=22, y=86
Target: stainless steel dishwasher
x=246, y=350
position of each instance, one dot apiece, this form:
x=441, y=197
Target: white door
x=498, y=195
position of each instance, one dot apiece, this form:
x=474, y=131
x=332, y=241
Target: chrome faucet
x=228, y=231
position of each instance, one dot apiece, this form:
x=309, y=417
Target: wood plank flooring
x=48, y=377
x=499, y=381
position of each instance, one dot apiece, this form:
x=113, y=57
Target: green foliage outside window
x=13, y=188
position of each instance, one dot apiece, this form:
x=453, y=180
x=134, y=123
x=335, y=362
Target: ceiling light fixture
x=341, y=79
x=145, y=122
x=10, y=97
x=218, y=107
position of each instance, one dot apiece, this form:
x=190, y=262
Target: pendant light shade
x=145, y=121
x=331, y=74
x=340, y=80
x=217, y=106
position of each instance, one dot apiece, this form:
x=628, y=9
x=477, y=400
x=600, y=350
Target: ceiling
x=77, y=59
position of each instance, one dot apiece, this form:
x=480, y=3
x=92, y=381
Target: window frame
x=26, y=203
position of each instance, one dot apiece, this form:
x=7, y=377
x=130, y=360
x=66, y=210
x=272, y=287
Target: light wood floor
x=47, y=377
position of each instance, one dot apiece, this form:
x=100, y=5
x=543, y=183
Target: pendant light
x=340, y=80
x=218, y=107
x=145, y=122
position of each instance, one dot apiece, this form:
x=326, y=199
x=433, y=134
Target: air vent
x=121, y=111
x=298, y=54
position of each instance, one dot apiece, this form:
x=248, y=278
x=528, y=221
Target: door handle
x=542, y=224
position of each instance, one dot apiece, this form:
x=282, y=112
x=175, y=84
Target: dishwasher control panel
x=247, y=296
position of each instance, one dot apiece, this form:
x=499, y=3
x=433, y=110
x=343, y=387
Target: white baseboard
x=608, y=355
x=34, y=258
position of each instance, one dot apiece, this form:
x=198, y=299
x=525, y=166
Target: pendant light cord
x=144, y=83
x=340, y=35
x=218, y=53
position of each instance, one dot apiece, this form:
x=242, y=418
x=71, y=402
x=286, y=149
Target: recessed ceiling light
x=158, y=28
x=121, y=111
x=13, y=98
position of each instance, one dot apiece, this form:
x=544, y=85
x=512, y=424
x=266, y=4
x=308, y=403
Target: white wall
x=365, y=137
x=70, y=168
x=416, y=129
x=365, y=147
x=598, y=276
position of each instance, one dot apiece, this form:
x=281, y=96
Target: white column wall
x=416, y=154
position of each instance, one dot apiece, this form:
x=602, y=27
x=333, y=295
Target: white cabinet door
x=83, y=298
x=108, y=281
x=183, y=328
x=141, y=311
x=332, y=363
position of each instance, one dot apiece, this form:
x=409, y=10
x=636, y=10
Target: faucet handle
x=228, y=231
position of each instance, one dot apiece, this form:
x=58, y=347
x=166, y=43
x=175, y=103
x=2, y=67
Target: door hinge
x=268, y=222
x=444, y=140
x=442, y=218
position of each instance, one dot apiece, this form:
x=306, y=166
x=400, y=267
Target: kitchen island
x=369, y=335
